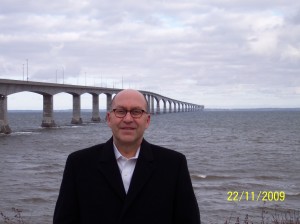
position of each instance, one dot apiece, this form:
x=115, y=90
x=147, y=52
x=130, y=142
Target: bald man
x=127, y=180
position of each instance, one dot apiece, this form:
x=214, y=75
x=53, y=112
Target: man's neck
x=127, y=151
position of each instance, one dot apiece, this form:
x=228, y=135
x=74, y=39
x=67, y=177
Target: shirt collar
x=119, y=155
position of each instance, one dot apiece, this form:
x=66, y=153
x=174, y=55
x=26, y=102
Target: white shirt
x=126, y=166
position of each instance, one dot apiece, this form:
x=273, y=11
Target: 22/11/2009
x=253, y=196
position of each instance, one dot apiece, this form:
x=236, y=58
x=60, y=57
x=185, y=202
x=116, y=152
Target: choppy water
x=248, y=151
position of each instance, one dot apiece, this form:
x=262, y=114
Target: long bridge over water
x=48, y=90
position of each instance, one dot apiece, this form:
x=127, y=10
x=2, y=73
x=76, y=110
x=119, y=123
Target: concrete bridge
x=48, y=90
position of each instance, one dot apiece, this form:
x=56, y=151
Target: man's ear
x=148, y=120
x=108, y=118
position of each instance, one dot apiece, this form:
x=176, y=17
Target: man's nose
x=128, y=117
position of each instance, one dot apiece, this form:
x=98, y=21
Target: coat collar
x=109, y=168
x=107, y=153
x=143, y=170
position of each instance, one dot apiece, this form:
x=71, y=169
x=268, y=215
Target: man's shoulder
x=88, y=152
x=166, y=158
x=165, y=152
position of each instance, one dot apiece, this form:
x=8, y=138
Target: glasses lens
x=136, y=113
x=120, y=112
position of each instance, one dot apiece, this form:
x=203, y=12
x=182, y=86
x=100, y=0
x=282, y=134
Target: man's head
x=128, y=131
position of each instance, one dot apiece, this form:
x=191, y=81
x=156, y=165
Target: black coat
x=160, y=191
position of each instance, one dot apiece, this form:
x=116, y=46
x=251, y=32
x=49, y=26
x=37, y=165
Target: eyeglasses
x=135, y=113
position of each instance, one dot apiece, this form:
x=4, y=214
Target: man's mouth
x=127, y=128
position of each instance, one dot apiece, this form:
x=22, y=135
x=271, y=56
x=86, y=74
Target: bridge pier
x=148, y=102
x=165, y=107
x=157, y=107
x=76, y=110
x=108, y=102
x=151, y=104
x=48, y=120
x=4, y=127
x=96, y=114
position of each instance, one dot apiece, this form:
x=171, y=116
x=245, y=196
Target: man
x=126, y=180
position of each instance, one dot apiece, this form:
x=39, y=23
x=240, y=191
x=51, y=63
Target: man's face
x=128, y=130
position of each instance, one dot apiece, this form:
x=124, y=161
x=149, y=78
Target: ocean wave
x=267, y=178
x=199, y=176
x=23, y=133
x=292, y=193
x=210, y=177
x=34, y=200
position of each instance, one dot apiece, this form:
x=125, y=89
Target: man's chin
x=128, y=139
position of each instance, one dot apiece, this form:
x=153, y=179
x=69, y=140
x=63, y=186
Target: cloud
x=190, y=50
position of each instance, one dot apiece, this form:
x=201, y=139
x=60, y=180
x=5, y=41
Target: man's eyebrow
x=133, y=108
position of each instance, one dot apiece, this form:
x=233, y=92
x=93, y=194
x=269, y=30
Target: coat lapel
x=142, y=172
x=109, y=168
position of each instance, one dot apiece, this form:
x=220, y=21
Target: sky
x=217, y=53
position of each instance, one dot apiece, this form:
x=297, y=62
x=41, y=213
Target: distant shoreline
x=255, y=109
x=206, y=109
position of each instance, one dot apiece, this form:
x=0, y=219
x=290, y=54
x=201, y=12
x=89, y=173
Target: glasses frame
x=130, y=112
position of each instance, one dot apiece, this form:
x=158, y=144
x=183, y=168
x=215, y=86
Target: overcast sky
x=220, y=53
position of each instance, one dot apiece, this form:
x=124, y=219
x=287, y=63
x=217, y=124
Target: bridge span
x=48, y=90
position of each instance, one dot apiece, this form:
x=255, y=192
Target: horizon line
x=207, y=109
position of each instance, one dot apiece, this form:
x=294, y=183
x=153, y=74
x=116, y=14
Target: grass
x=268, y=216
x=16, y=219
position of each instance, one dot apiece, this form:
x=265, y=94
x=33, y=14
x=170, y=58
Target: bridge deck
x=48, y=90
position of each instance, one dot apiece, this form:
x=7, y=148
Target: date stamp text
x=265, y=196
